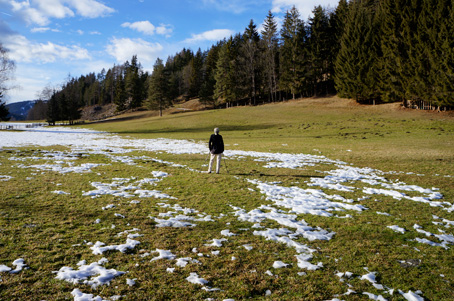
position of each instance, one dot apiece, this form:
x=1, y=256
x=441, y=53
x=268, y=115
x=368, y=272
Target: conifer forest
x=373, y=51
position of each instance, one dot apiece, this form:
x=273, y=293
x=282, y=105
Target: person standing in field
x=216, y=146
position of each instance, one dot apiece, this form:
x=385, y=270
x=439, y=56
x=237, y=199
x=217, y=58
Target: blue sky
x=49, y=39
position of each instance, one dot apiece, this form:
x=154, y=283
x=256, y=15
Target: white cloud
x=40, y=29
x=41, y=11
x=147, y=28
x=24, y=50
x=304, y=7
x=29, y=14
x=164, y=29
x=141, y=26
x=123, y=50
x=211, y=35
x=91, y=8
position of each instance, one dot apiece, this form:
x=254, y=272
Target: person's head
x=216, y=131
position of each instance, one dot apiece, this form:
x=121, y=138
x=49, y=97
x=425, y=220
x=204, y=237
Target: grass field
x=49, y=218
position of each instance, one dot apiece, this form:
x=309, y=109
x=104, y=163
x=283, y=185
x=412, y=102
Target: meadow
x=318, y=199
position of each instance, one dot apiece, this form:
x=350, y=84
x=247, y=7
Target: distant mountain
x=19, y=110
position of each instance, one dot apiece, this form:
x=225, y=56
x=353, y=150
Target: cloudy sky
x=50, y=39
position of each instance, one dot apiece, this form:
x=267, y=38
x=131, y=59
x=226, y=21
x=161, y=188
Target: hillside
x=19, y=110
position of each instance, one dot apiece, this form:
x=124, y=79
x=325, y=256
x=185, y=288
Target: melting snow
x=284, y=203
x=84, y=273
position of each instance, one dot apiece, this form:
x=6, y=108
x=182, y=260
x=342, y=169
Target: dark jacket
x=216, y=144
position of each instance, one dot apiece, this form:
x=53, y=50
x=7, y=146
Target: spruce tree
x=53, y=110
x=270, y=41
x=291, y=62
x=437, y=37
x=158, y=88
x=119, y=90
x=393, y=49
x=196, y=76
x=227, y=88
x=250, y=61
x=412, y=69
x=209, y=81
x=133, y=83
x=320, y=50
x=356, y=66
x=337, y=21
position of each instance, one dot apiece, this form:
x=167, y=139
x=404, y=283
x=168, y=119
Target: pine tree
x=53, y=110
x=320, y=50
x=393, y=49
x=119, y=90
x=436, y=40
x=356, y=66
x=209, y=81
x=157, y=94
x=72, y=101
x=337, y=21
x=109, y=87
x=196, y=76
x=227, y=88
x=270, y=41
x=292, y=53
x=250, y=62
x=133, y=83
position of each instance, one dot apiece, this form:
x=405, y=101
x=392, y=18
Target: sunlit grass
x=50, y=230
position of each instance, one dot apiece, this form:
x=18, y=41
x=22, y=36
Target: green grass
x=51, y=231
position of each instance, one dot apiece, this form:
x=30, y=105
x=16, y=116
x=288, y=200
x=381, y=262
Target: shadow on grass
x=271, y=175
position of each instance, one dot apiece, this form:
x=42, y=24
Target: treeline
x=398, y=50
x=369, y=50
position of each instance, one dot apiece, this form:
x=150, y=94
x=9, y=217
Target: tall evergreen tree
x=133, y=83
x=53, y=110
x=109, y=87
x=337, y=22
x=249, y=60
x=320, y=49
x=292, y=53
x=72, y=101
x=209, y=71
x=196, y=76
x=227, y=76
x=435, y=43
x=357, y=62
x=157, y=95
x=393, y=49
x=270, y=41
x=119, y=95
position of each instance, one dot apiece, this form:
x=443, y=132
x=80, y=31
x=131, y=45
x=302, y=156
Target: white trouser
x=218, y=162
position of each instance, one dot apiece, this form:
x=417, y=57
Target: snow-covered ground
x=282, y=204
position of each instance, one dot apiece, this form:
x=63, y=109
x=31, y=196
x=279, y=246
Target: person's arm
x=210, y=143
